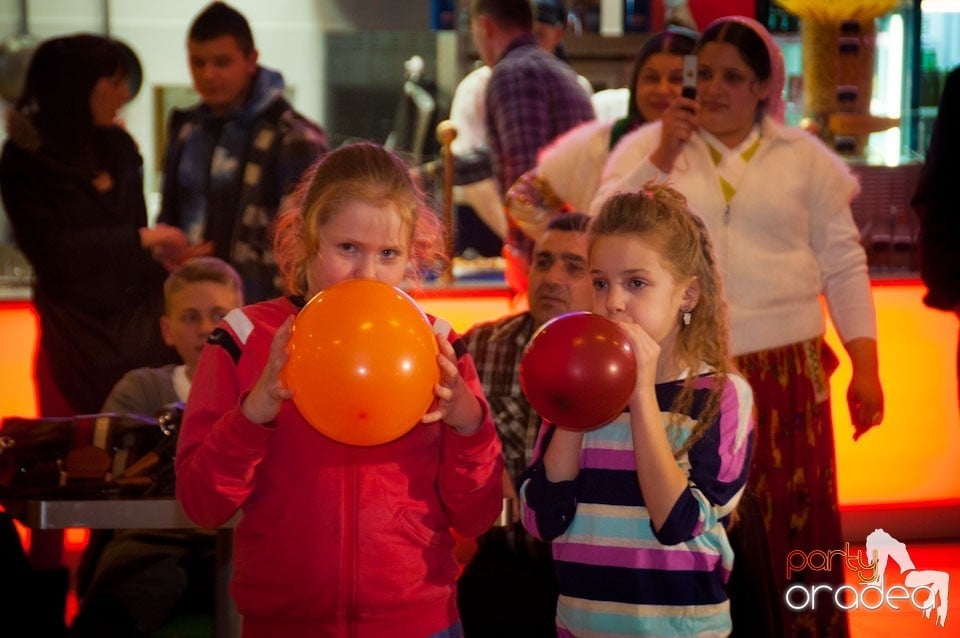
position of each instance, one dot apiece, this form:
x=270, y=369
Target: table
x=147, y=513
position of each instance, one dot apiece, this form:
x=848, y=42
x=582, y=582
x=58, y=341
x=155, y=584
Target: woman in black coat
x=72, y=185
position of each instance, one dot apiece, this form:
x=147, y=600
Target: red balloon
x=363, y=362
x=579, y=370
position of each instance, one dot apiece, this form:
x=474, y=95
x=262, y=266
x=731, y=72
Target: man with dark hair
x=511, y=578
x=480, y=212
x=232, y=159
x=219, y=19
x=550, y=25
x=532, y=98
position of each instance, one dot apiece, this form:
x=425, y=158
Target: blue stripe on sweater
x=609, y=487
x=616, y=576
x=656, y=620
x=639, y=586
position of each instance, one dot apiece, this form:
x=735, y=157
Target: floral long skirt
x=794, y=473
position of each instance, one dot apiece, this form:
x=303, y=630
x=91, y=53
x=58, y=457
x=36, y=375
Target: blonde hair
x=660, y=215
x=365, y=172
x=197, y=270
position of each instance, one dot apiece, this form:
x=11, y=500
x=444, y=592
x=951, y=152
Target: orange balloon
x=363, y=362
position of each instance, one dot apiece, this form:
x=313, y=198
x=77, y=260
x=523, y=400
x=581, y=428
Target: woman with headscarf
x=568, y=171
x=777, y=204
x=72, y=185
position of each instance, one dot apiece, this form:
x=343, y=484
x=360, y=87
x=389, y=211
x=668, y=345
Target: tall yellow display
x=839, y=41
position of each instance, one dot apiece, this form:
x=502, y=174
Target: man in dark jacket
x=232, y=159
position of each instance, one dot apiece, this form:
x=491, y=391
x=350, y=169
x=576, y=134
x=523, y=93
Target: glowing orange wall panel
x=913, y=455
x=18, y=340
x=910, y=458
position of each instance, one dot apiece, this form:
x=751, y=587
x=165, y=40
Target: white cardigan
x=788, y=235
x=572, y=163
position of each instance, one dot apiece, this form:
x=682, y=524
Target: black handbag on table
x=43, y=456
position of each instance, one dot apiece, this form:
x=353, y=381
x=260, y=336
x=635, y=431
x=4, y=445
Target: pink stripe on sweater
x=609, y=459
x=643, y=558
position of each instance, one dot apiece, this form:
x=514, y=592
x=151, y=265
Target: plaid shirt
x=533, y=97
x=497, y=347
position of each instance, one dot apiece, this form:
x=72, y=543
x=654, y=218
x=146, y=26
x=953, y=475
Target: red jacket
x=334, y=540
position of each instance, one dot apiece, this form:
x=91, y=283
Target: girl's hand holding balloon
x=263, y=403
x=456, y=405
x=647, y=351
x=661, y=478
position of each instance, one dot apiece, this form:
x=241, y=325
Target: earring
x=686, y=316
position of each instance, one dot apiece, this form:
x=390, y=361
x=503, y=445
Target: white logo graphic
x=882, y=547
x=924, y=589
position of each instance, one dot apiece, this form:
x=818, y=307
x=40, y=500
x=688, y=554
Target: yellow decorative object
x=838, y=10
x=839, y=43
x=858, y=124
x=837, y=66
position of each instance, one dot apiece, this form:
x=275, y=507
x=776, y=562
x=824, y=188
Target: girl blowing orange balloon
x=338, y=539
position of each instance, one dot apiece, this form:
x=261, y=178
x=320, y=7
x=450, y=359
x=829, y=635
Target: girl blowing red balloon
x=336, y=539
x=636, y=509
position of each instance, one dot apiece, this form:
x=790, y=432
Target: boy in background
x=196, y=297
x=233, y=158
x=142, y=577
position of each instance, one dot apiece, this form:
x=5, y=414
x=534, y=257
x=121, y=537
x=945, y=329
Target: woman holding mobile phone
x=689, y=89
x=568, y=171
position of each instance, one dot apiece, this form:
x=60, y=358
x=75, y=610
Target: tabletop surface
x=102, y=513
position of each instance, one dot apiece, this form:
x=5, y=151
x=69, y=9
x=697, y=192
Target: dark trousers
x=754, y=602
x=142, y=579
x=510, y=588
x=32, y=602
x=473, y=236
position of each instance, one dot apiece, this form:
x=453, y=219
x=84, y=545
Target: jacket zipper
x=348, y=580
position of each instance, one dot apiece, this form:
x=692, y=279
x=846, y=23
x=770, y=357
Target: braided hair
x=660, y=214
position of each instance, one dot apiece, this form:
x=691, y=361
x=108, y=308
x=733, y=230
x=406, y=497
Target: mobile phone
x=689, y=89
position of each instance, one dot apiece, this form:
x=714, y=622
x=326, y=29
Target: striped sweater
x=619, y=576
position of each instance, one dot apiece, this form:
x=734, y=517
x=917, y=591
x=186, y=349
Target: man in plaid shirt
x=512, y=574
x=532, y=98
